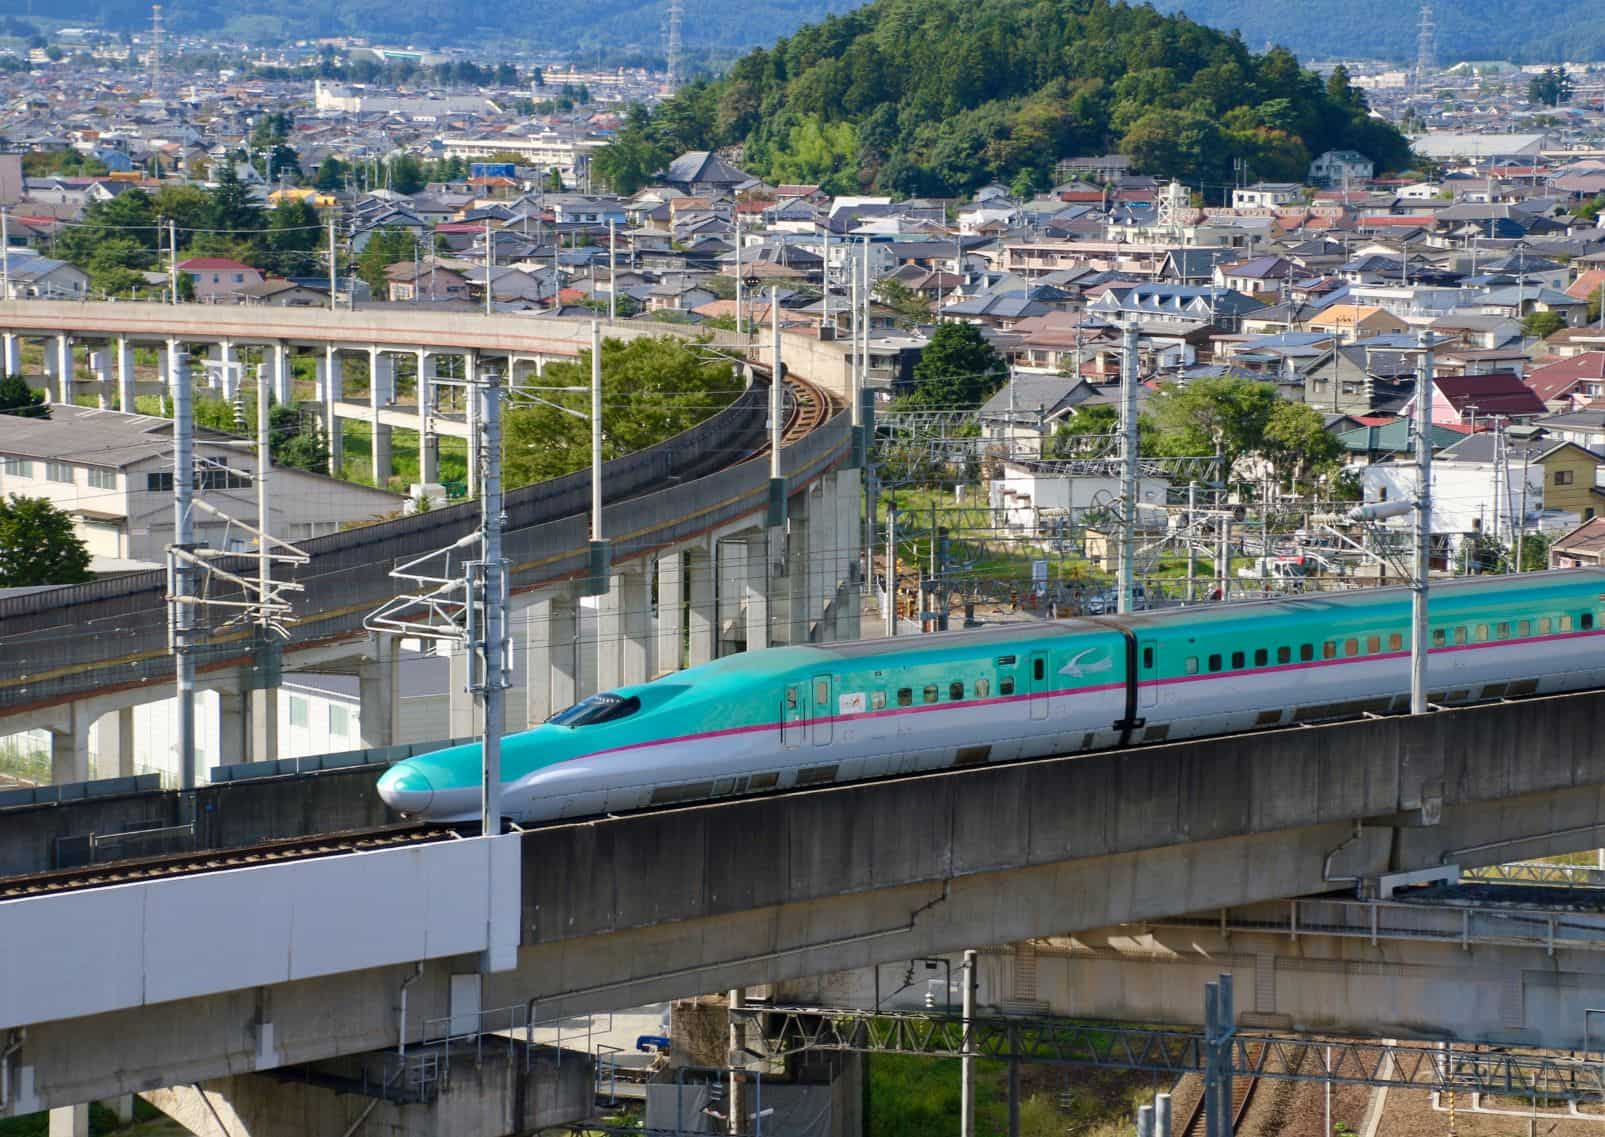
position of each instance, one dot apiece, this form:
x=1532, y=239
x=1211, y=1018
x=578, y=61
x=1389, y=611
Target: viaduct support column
x=549, y=658
x=623, y=631
x=381, y=384
x=228, y=375
x=757, y=588
x=11, y=354
x=378, y=680
x=64, y=367
x=333, y=388
x=428, y=444
x=125, y=375
x=460, y=701
x=703, y=624
x=849, y=532
x=114, y=743
x=671, y=613
x=281, y=373
x=70, y=1121
x=265, y=724
x=69, y=748
x=799, y=591
x=50, y=357
x=100, y=366
x=233, y=727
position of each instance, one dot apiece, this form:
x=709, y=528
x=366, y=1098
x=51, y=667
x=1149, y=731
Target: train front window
x=595, y=709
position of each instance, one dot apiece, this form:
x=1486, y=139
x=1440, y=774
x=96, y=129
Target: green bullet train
x=789, y=717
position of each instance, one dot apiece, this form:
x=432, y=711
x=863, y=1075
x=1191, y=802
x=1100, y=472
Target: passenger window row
x=1352, y=646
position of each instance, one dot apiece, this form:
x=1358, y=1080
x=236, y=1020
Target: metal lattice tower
x=156, y=50
x=1426, y=48
x=676, y=15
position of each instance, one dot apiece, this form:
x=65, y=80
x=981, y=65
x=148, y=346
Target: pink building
x=218, y=279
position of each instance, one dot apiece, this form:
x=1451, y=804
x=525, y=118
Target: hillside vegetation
x=925, y=97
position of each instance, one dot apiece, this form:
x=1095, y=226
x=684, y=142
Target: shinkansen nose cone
x=406, y=789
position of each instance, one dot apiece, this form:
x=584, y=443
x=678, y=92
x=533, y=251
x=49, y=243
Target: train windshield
x=599, y=708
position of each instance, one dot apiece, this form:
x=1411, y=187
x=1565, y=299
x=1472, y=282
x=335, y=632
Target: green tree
x=293, y=235
x=1534, y=552
x=1542, y=325
x=1551, y=88
x=230, y=206
x=1228, y=413
x=957, y=369
x=17, y=398
x=652, y=389
x=387, y=246
x=1298, y=443
x=407, y=174
x=910, y=306
x=331, y=175
x=38, y=545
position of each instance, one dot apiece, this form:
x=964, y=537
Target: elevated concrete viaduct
x=622, y=911
x=697, y=569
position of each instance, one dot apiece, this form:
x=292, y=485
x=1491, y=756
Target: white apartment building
x=113, y=473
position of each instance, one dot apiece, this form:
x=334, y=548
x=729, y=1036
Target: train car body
x=805, y=716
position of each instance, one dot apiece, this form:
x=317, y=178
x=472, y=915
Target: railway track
x=217, y=860
x=1242, y=1095
x=811, y=405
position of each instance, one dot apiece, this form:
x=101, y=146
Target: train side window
x=955, y=690
x=930, y=692
x=1284, y=655
x=1460, y=634
x=1190, y=665
x=723, y=786
x=1544, y=625
x=905, y=696
x=822, y=692
x=1502, y=631
x=1329, y=649
x=1261, y=657
x=1148, y=658
x=1564, y=623
x=983, y=688
x=791, y=698
x=1239, y=660
x=877, y=700
x=1006, y=685
x=1373, y=645
x=1439, y=637
x=1482, y=633
x=1351, y=647
x=1306, y=652
x=1214, y=663
x=1524, y=627
x=813, y=775
x=1038, y=669
x=1395, y=641
x=1586, y=620
x=763, y=781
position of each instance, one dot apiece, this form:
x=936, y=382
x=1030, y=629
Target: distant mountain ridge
x=1386, y=29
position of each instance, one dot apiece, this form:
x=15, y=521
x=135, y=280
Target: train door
x=1147, y=673
x=824, y=709
x=793, y=715
x=1039, y=685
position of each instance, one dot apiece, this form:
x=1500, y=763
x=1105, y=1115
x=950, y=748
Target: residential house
x=1266, y=195
x=112, y=473
x=219, y=279
x=1585, y=427
x=427, y=281
x=44, y=278
x=1338, y=167
x=1518, y=302
x=1470, y=398
x=679, y=294
x=284, y=294
x=704, y=172
x=1023, y=414
x=1223, y=308
x=1350, y=323
x=1582, y=547
x=1571, y=383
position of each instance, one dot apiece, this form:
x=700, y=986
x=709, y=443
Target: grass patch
x=148, y=1122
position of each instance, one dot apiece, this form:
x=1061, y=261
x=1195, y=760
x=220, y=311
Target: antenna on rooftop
x=1426, y=48
x=676, y=14
x=156, y=51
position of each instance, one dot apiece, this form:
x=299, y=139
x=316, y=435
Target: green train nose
x=406, y=789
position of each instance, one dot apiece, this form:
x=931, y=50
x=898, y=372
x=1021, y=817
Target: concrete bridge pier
x=229, y=373
x=669, y=654
x=114, y=743
x=378, y=691
x=428, y=443
x=730, y=593
x=623, y=630
x=69, y=744
x=758, y=560
x=331, y=383
x=234, y=743
x=64, y=367
x=381, y=393
x=551, y=659
x=100, y=367
x=702, y=623
x=281, y=374
x=125, y=374
x=11, y=354
x=498, y=1089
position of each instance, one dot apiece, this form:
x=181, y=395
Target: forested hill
x=941, y=96
x=1386, y=29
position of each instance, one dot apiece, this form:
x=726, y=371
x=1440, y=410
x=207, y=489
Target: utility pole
x=1192, y=541
x=180, y=574
x=777, y=483
x=495, y=647
x=334, y=269
x=891, y=571
x=612, y=273
x=1423, y=541
x=825, y=276
x=172, y=258
x=1521, y=522
x=735, y=208
x=5, y=254
x=490, y=262
x=967, y=1051
x=1129, y=468
x=601, y=555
